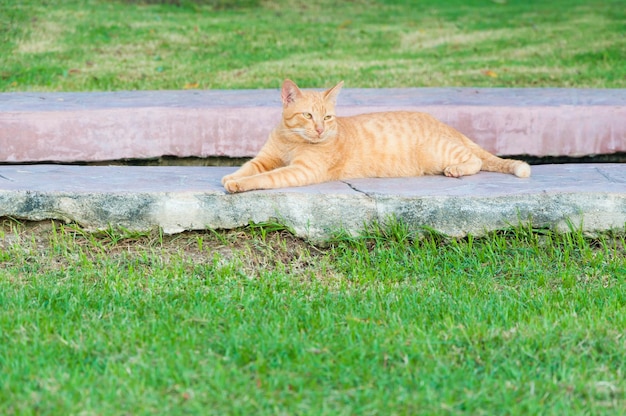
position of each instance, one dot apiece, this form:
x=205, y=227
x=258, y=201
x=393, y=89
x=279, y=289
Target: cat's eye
x=307, y=115
x=328, y=117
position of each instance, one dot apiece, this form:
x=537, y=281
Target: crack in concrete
x=609, y=177
x=354, y=188
x=369, y=196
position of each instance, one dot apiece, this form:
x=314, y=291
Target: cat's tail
x=493, y=163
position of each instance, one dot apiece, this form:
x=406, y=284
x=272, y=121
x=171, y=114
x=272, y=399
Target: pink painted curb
x=90, y=127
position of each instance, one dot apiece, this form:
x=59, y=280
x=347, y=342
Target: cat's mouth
x=314, y=137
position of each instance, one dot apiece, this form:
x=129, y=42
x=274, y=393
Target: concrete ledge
x=91, y=127
x=190, y=198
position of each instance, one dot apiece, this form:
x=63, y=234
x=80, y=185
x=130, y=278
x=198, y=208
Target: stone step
x=105, y=126
x=176, y=198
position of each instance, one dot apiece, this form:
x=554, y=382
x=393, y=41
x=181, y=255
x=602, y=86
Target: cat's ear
x=290, y=92
x=331, y=94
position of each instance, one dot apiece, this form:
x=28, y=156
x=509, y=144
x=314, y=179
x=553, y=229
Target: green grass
x=85, y=45
x=258, y=322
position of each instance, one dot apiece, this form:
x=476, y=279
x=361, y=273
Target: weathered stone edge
x=317, y=217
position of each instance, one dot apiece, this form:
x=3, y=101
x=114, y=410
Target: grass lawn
x=83, y=45
x=259, y=322
x=255, y=321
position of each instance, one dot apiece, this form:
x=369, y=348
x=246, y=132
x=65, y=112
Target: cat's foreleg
x=293, y=175
x=252, y=167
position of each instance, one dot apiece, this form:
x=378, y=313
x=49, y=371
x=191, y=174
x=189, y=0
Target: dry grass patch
x=453, y=37
x=253, y=250
x=45, y=36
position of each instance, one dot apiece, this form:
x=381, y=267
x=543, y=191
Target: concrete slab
x=92, y=127
x=175, y=198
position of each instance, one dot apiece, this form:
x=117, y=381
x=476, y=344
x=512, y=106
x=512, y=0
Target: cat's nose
x=319, y=130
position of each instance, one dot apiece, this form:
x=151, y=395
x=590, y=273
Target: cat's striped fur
x=312, y=145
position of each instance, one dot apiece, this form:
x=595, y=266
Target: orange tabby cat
x=312, y=145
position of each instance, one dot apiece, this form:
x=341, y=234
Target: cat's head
x=310, y=114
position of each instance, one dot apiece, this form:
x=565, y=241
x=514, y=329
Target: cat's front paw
x=233, y=186
x=453, y=172
x=227, y=178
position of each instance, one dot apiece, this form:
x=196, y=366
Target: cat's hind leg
x=470, y=166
